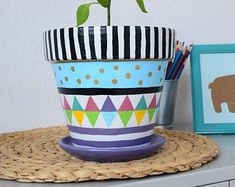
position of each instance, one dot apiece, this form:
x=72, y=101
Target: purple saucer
x=111, y=154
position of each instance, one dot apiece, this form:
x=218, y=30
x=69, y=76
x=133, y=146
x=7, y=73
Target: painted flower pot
x=109, y=79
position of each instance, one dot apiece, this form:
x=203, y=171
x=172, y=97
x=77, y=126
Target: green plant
x=84, y=10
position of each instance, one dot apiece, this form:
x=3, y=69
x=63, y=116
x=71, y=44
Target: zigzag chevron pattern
x=110, y=111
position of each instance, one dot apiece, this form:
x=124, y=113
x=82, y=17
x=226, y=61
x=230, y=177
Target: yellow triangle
x=79, y=116
x=139, y=114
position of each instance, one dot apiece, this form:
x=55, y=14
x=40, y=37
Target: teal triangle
x=76, y=105
x=142, y=104
x=108, y=117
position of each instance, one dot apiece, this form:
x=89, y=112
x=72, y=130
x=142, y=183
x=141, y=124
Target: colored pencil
x=176, y=66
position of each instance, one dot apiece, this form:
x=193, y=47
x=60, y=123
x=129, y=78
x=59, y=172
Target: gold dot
x=137, y=67
x=114, y=81
x=79, y=81
x=73, y=68
x=61, y=82
x=116, y=68
x=161, y=79
x=159, y=67
x=140, y=82
x=88, y=76
x=59, y=68
x=96, y=81
x=101, y=70
x=128, y=75
x=150, y=74
x=66, y=78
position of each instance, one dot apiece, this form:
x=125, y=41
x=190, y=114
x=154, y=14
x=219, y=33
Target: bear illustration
x=223, y=91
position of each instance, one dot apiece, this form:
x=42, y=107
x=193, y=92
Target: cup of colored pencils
x=168, y=97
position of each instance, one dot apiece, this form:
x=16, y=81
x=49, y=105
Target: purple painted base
x=111, y=154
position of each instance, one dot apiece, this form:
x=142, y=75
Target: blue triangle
x=108, y=117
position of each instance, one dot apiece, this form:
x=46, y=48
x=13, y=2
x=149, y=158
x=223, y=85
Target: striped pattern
x=108, y=43
x=111, y=137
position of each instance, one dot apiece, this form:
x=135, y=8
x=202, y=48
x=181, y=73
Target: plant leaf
x=104, y=3
x=141, y=5
x=83, y=12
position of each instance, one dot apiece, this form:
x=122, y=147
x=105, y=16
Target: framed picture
x=213, y=88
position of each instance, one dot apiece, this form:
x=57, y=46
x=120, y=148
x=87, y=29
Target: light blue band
x=100, y=74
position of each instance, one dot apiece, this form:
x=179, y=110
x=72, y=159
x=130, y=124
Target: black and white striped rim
x=109, y=43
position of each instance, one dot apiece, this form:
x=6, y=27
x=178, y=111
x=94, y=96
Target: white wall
x=28, y=97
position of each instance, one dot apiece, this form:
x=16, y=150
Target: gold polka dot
x=101, y=70
x=66, y=78
x=72, y=68
x=159, y=67
x=88, y=76
x=137, y=67
x=96, y=81
x=114, y=81
x=59, y=68
x=161, y=79
x=79, y=81
x=116, y=68
x=61, y=82
x=140, y=82
x=150, y=74
x=128, y=75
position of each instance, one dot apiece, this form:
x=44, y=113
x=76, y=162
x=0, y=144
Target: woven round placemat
x=35, y=156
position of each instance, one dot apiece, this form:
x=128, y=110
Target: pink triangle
x=91, y=106
x=153, y=102
x=66, y=104
x=126, y=105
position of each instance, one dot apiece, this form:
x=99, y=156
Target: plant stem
x=109, y=13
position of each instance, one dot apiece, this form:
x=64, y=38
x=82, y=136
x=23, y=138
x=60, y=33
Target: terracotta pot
x=109, y=79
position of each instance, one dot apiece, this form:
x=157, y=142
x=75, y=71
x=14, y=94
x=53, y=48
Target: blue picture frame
x=208, y=61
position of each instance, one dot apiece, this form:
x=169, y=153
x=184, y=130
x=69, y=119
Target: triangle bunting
x=108, y=105
x=142, y=104
x=150, y=114
x=79, y=116
x=92, y=116
x=108, y=117
x=125, y=117
x=139, y=114
x=69, y=115
x=66, y=104
x=153, y=102
x=126, y=105
x=76, y=105
x=91, y=106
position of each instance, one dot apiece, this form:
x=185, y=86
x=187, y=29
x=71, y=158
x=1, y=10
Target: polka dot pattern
x=88, y=77
x=72, y=68
x=79, y=81
x=114, y=81
x=110, y=75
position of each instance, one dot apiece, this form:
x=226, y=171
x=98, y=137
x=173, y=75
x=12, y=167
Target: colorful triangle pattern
x=108, y=117
x=91, y=106
x=79, y=116
x=108, y=105
x=77, y=105
x=125, y=117
x=109, y=111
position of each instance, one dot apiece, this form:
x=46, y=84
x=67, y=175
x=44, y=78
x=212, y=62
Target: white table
x=218, y=173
